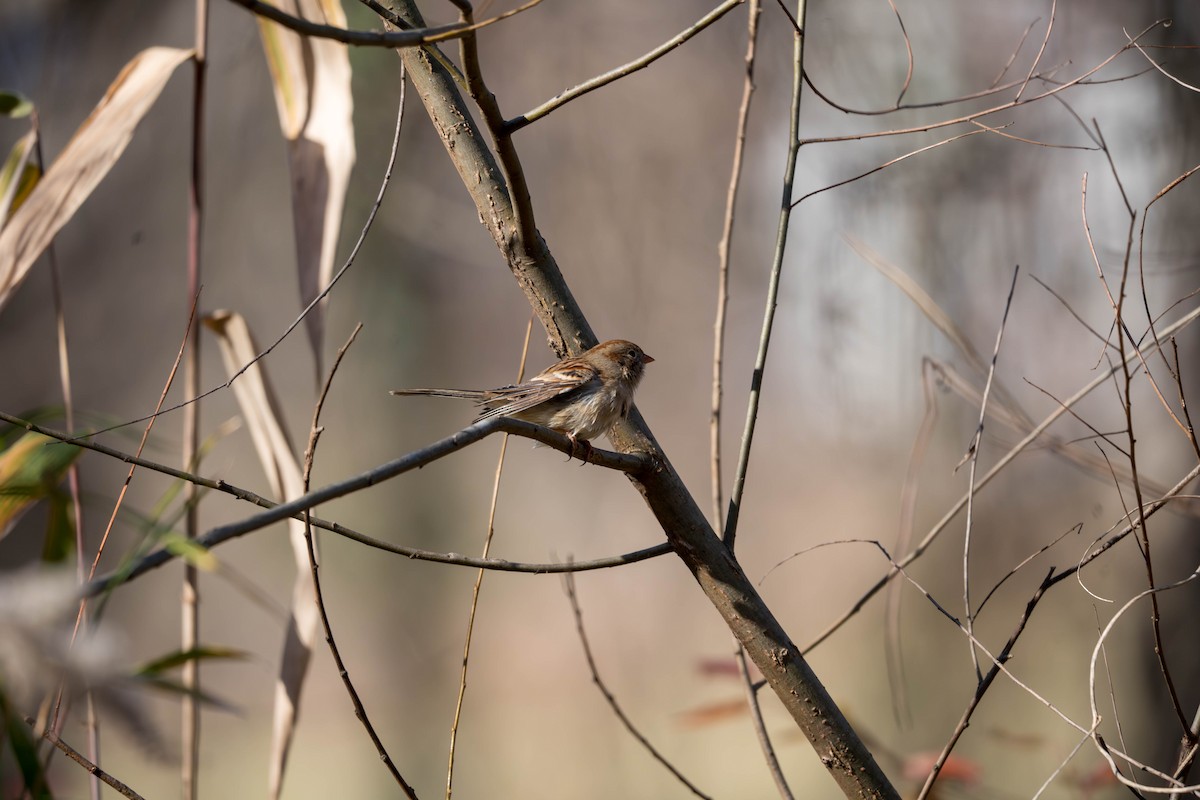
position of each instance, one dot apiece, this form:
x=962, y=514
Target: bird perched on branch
x=581, y=396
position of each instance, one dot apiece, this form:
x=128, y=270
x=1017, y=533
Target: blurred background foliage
x=629, y=187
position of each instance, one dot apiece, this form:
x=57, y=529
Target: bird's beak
x=646, y=358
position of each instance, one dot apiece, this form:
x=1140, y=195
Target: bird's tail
x=466, y=394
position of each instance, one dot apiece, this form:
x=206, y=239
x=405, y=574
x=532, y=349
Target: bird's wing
x=558, y=380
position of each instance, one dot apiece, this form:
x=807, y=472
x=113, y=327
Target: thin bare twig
x=1122, y=333
x=1096, y=650
x=984, y=684
x=888, y=110
x=892, y=162
x=908, y=51
x=1158, y=66
x=53, y=738
x=569, y=585
x=894, y=649
x=1003, y=462
x=64, y=379
x=1020, y=44
x=533, y=115
x=391, y=469
x=973, y=455
x=723, y=251
x=792, y=20
x=1057, y=89
x=487, y=546
x=772, y=299
x=1041, y=50
x=1188, y=430
x=502, y=565
x=360, y=710
x=760, y=727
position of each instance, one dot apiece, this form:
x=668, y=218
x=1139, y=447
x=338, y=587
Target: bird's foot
x=582, y=446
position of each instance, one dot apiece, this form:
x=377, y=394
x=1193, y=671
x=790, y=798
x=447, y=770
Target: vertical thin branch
x=723, y=249
x=973, y=454
x=360, y=710
x=894, y=646
x=723, y=257
x=64, y=378
x=785, y=216
x=1143, y=534
x=487, y=545
x=190, y=628
x=760, y=727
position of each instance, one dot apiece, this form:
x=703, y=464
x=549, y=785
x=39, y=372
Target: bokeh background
x=629, y=187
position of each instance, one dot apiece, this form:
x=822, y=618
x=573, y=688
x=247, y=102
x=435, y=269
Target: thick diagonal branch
x=715, y=569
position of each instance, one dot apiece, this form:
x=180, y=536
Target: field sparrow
x=581, y=396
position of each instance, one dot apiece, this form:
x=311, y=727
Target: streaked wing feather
x=509, y=400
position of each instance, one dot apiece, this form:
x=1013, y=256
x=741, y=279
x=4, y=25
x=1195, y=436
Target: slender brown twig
x=772, y=299
x=53, y=738
x=569, y=585
x=534, y=114
x=1041, y=50
x=391, y=469
x=760, y=726
x=487, y=546
x=908, y=52
x=1000, y=465
x=1057, y=89
x=1122, y=333
x=723, y=257
x=542, y=435
x=360, y=710
x=984, y=684
x=64, y=379
x=973, y=455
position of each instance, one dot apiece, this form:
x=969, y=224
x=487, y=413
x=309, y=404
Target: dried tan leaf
x=87, y=158
x=258, y=405
x=956, y=768
x=311, y=77
x=713, y=713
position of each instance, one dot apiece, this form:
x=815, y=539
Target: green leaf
x=181, y=657
x=197, y=555
x=174, y=687
x=18, y=175
x=60, y=529
x=31, y=470
x=15, y=104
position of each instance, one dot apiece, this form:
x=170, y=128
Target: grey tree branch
x=543, y=435
x=406, y=463
x=711, y=563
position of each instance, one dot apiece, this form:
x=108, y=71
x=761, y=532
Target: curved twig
x=360, y=710
x=533, y=115
x=569, y=584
